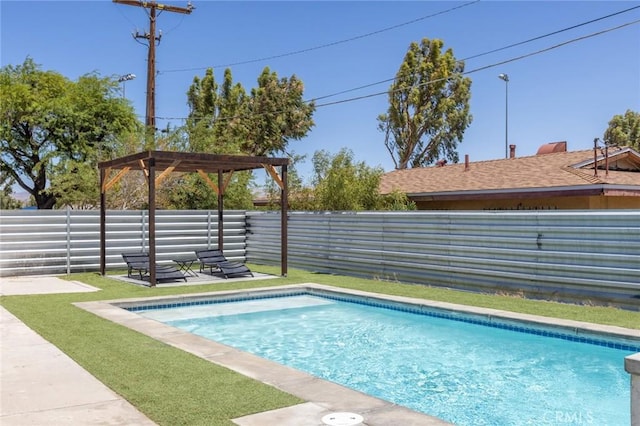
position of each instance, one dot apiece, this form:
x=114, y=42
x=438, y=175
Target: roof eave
x=558, y=191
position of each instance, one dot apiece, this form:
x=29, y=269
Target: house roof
x=571, y=170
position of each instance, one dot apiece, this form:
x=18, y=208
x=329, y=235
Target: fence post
x=208, y=228
x=143, y=230
x=68, y=240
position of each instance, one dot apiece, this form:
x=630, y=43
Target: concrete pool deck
x=323, y=397
x=41, y=385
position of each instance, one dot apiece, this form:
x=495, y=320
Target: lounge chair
x=139, y=262
x=219, y=264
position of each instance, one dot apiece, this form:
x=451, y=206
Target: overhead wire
x=170, y=30
x=493, y=65
x=405, y=24
x=322, y=46
x=125, y=16
x=490, y=51
x=132, y=23
x=552, y=33
x=410, y=22
x=475, y=70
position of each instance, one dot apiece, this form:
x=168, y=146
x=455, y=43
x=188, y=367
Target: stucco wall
x=550, y=203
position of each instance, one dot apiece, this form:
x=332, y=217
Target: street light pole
x=124, y=78
x=505, y=78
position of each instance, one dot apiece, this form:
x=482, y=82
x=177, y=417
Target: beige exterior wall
x=550, y=203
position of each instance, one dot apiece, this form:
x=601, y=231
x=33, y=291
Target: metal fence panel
x=551, y=254
x=65, y=241
x=543, y=253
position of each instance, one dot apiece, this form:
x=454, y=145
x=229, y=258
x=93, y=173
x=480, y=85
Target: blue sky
x=568, y=93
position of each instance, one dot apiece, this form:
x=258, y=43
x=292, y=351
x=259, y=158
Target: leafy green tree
x=428, y=107
x=48, y=122
x=344, y=184
x=7, y=201
x=211, y=108
x=338, y=183
x=273, y=114
x=397, y=201
x=75, y=184
x=223, y=119
x=190, y=191
x=624, y=130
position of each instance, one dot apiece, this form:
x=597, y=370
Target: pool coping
x=326, y=396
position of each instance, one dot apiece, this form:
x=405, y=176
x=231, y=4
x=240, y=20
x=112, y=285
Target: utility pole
x=153, y=6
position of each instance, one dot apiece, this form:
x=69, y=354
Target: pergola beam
x=167, y=172
x=209, y=182
x=274, y=174
x=106, y=186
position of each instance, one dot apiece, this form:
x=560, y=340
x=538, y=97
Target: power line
x=552, y=33
x=490, y=51
x=322, y=46
x=495, y=64
x=475, y=70
x=410, y=22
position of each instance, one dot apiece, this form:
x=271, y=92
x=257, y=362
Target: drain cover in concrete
x=342, y=419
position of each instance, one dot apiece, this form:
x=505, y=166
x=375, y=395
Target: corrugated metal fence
x=64, y=241
x=550, y=254
x=594, y=255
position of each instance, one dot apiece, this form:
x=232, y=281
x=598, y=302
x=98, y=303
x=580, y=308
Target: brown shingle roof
x=539, y=171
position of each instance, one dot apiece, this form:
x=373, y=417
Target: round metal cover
x=342, y=419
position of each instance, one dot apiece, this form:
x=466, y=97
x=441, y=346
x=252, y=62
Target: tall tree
x=274, y=114
x=428, y=107
x=46, y=119
x=624, y=130
x=211, y=109
x=223, y=119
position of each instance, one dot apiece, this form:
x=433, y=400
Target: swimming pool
x=513, y=380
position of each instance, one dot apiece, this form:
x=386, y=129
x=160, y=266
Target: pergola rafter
x=167, y=162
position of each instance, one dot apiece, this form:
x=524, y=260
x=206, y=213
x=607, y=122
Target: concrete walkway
x=39, y=384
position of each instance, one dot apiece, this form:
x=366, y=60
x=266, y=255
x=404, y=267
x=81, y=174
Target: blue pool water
x=460, y=371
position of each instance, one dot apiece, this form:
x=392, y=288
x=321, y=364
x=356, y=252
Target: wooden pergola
x=157, y=165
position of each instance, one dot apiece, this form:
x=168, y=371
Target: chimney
x=466, y=162
x=512, y=151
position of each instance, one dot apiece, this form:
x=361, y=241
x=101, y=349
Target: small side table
x=185, y=264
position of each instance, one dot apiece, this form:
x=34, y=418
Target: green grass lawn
x=174, y=387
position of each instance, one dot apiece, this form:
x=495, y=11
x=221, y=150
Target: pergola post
x=152, y=222
x=284, y=235
x=103, y=219
x=221, y=189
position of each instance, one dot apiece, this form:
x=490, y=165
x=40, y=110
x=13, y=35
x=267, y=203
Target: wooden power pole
x=153, y=6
